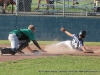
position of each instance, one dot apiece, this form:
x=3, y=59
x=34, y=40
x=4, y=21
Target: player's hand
x=85, y=51
x=32, y=51
x=63, y=29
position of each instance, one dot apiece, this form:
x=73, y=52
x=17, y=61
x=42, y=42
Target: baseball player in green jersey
x=20, y=39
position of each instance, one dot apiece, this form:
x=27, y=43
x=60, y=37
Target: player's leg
x=38, y=7
x=14, y=42
x=4, y=6
x=94, y=2
x=22, y=44
x=67, y=43
x=14, y=45
x=47, y=2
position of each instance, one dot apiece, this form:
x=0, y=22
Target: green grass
x=92, y=43
x=4, y=42
x=40, y=42
x=55, y=65
x=58, y=65
x=52, y=42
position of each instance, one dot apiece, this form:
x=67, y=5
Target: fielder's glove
x=63, y=29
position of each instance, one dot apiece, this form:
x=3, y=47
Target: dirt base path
x=50, y=52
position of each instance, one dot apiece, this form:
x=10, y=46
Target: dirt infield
x=51, y=51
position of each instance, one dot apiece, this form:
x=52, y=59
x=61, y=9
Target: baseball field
x=56, y=61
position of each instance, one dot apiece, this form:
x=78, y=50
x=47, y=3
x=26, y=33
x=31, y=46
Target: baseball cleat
x=7, y=51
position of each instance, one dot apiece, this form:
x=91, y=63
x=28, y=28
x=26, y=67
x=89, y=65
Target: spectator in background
x=39, y=1
x=96, y=6
x=6, y=3
x=47, y=2
x=96, y=2
x=51, y=2
x=75, y=2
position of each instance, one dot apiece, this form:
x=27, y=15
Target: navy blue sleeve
x=81, y=43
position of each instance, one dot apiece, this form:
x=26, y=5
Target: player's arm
x=28, y=47
x=36, y=43
x=64, y=30
x=83, y=48
x=86, y=51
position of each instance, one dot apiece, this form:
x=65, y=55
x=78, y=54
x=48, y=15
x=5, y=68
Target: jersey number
x=75, y=44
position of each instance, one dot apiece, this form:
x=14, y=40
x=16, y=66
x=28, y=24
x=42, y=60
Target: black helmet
x=82, y=34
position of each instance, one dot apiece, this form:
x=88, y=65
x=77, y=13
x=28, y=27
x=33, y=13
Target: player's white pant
x=13, y=40
x=68, y=43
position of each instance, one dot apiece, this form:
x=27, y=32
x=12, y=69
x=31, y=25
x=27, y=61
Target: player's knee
x=22, y=46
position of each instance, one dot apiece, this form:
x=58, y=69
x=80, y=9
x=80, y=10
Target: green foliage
x=58, y=65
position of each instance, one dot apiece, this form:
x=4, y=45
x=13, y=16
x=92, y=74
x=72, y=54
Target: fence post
x=63, y=8
x=16, y=7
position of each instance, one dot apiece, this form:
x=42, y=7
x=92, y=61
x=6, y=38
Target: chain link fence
x=53, y=7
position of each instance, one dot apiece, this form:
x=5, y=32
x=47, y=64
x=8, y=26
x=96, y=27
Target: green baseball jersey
x=27, y=32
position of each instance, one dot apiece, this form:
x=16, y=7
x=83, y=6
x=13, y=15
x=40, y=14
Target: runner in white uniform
x=76, y=42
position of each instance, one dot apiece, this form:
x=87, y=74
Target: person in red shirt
x=6, y=3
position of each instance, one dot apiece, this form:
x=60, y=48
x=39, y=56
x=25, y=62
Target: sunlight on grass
x=53, y=42
x=57, y=65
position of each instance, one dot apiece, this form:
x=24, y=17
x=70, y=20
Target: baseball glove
x=89, y=51
x=63, y=29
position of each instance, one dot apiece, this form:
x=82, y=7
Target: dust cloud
x=97, y=51
x=62, y=49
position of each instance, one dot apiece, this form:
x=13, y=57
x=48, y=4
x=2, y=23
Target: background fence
x=55, y=7
x=48, y=28
x=48, y=17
